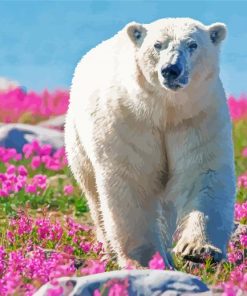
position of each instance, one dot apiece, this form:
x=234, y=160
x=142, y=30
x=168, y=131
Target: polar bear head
x=177, y=53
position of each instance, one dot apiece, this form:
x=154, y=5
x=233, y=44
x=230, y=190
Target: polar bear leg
x=130, y=219
x=205, y=221
x=82, y=170
x=202, y=185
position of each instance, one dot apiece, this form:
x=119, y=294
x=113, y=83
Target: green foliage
x=53, y=198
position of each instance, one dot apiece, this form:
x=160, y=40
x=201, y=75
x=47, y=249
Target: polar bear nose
x=172, y=71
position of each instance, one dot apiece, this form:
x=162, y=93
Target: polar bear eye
x=158, y=45
x=192, y=46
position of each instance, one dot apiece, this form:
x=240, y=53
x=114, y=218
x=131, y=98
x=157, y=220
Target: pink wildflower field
x=18, y=105
x=45, y=228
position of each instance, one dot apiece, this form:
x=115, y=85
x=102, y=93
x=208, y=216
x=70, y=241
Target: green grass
x=53, y=198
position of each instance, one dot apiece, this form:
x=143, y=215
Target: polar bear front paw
x=197, y=251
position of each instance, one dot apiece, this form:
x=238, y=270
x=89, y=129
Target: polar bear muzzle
x=175, y=74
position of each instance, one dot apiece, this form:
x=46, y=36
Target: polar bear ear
x=136, y=33
x=217, y=32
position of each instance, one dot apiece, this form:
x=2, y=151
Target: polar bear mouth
x=172, y=85
x=176, y=84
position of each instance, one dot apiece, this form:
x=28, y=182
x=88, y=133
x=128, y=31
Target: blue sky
x=42, y=41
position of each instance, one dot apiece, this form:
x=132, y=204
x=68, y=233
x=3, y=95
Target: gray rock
x=141, y=283
x=56, y=122
x=15, y=135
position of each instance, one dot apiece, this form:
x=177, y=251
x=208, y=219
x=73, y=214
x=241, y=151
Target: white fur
x=153, y=162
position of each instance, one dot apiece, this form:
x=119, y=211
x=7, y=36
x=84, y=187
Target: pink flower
x=241, y=211
x=242, y=181
x=244, y=152
x=243, y=240
x=4, y=193
x=47, y=230
x=157, y=262
x=237, y=107
x=27, y=149
x=55, y=291
x=53, y=164
x=10, y=170
x=10, y=236
x=59, y=153
x=98, y=247
x=68, y=190
x=22, y=170
x=86, y=246
x=36, y=162
x=2, y=177
x=31, y=188
x=93, y=267
x=45, y=149
x=7, y=154
x=19, y=184
x=235, y=256
x=229, y=289
x=40, y=181
x=118, y=287
x=24, y=225
x=68, y=249
x=96, y=292
x=36, y=146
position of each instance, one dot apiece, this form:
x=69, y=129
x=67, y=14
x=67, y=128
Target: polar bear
x=148, y=138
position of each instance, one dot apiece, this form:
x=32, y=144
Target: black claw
x=184, y=248
x=194, y=259
x=202, y=250
x=191, y=252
